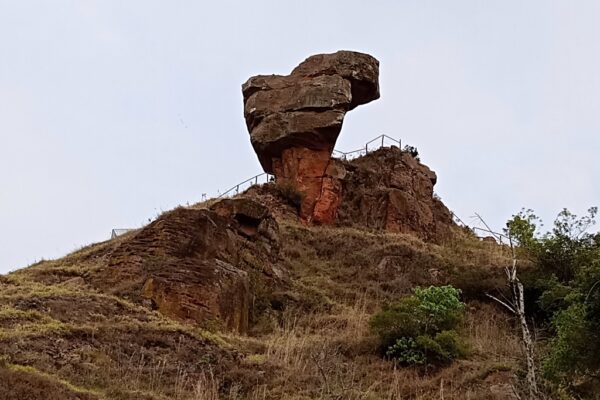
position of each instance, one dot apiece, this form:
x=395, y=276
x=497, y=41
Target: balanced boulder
x=294, y=122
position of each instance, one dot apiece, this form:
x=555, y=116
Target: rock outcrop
x=199, y=265
x=294, y=122
x=390, y=189
x=387, y=189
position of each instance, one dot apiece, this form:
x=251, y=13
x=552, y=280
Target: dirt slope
x=243, y=301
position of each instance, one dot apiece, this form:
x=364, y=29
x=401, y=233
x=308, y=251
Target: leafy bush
x=419, y=329
x=406, y=350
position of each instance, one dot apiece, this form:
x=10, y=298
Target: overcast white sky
x=111, y=111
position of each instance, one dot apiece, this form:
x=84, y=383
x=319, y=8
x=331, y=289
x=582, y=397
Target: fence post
x=382, y=137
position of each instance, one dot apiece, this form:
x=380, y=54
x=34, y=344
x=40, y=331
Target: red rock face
x=314, y=174
x=294, y=122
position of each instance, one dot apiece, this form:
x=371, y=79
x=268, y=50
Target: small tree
x=568, y=276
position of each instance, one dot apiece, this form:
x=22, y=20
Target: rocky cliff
x=198, y=265
x=294, y=122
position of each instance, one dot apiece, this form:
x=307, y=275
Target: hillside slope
x=242, y=300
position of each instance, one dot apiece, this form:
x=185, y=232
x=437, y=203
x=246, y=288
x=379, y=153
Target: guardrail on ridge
x=372, y=145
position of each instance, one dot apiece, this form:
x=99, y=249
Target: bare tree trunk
x=517, y=307
x=527, y=341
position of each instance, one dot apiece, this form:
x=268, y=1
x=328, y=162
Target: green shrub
x=441, y=305
x=401, y=319
x=565, y=289
x=445, y=346
x=419, y=328
x=406, y=350
x=569, y=352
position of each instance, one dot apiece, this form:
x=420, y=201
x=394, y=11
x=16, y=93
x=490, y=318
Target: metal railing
x=372, y=145
x=234, y=190
x=380, y=141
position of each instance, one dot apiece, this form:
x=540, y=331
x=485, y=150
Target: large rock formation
x=390, y=189
x=199, y=265
x=294, y=122
x=387, y=189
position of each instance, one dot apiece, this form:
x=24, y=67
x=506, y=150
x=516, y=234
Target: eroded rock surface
x=294, y=122
x=390, y=189
x=200, y=265
x=387, y=189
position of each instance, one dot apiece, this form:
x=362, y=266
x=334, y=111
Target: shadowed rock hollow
x=294, y=122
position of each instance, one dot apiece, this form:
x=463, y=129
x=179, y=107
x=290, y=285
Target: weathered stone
x=294, y=122
x=316, y=175
x=193, y=264
x=389, y=189
x=213, y=290
x=298, y=129
x=360, y=69
x=251, y=219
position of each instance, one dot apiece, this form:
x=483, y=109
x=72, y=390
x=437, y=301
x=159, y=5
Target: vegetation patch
x=420, y=329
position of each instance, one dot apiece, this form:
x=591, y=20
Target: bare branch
x=518, y=309
x=496, y=235
x=510, y=308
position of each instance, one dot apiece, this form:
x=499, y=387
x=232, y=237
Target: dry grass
x=333, y=356
x=322, y=348
x=317, y=346
x=75, y=340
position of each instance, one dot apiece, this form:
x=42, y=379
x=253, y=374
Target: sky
x=113, y=111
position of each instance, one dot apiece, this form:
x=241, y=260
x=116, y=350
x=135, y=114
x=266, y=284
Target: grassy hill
x=63, y=337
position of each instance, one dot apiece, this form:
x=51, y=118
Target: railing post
x=382, y=137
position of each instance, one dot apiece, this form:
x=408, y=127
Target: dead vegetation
x=61, y=337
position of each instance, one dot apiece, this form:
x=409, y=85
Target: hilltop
x=241, y=299
x=268, y=294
